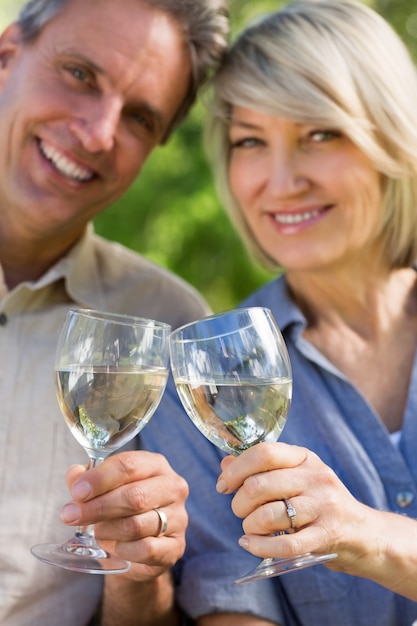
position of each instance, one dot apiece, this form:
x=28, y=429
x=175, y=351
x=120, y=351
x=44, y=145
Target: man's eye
x=78, y=73
x=139, y=118
x=139, y=122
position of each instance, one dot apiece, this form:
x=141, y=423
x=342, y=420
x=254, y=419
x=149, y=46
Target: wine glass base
x=269, y=568
x=80, y=559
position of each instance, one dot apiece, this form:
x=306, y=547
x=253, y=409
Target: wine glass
x=110, y=374
x=233, y=376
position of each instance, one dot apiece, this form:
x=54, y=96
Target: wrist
x=139, y=603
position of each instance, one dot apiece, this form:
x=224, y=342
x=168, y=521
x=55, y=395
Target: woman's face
x=310, y=197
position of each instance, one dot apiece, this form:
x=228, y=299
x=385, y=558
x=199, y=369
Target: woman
x=313, y=142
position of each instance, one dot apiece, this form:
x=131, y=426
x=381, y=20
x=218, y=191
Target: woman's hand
x=370, y=543
x=327, y=517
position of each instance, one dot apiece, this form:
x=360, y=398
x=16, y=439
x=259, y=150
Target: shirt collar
x=81, y=273
x=78, y=270
x=287, y=312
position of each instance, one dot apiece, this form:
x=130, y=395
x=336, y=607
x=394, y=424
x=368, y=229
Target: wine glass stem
x=84, y=535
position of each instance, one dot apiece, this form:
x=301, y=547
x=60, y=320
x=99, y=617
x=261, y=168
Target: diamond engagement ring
x=291, y=512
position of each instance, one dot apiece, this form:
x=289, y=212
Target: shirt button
x=404, y=498
x=3, y=319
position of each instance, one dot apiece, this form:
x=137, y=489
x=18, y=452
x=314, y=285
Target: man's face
x=81, y=108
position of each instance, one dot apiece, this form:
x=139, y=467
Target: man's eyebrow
x=82, y=59
x=141, y=106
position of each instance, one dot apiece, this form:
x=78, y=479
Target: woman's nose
x=286, y=176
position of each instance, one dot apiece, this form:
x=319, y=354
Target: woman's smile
x=309, y=196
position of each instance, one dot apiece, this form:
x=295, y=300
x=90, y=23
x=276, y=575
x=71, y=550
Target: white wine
x=235, y=416
x=105, y=408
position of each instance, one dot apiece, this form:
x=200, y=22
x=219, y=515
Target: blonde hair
x=331, y=62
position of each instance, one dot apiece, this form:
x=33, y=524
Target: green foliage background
x=171, y=213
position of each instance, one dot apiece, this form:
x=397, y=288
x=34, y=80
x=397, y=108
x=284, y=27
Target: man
x=87, y=90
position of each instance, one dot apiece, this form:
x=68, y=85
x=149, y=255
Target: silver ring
x=291, y=512
x=163, y=522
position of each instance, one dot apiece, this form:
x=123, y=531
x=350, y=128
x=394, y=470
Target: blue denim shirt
x=329, y=416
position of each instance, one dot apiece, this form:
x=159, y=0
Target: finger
x=151, y=555
x=263, y=457
x=290, y=515
x=74, y=472
x=115, y=471
x=312, y=477
x=119, y=470
x=311, y=539
x=145, y=525
x=268, y=487
x=129, y=500
x=226, y=461
x=267, y=519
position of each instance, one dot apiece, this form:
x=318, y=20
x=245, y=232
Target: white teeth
x=64, y=165
x=295, y=218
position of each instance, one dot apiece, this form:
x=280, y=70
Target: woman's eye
x=245, y=142
x=321, y=136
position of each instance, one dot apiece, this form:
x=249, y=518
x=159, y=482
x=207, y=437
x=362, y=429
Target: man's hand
x=119, y=497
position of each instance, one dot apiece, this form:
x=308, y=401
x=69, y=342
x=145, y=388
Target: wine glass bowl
x=110, y=377
x=110, y=374
x=233, y=375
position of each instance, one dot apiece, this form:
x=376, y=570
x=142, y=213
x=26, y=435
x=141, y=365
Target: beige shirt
x=36, y=446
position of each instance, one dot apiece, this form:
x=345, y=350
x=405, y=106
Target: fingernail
x=221, y=486
x=81, y=490
x=70, y=513
x=243, y=542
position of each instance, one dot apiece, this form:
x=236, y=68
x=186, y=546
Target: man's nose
x=96, y=126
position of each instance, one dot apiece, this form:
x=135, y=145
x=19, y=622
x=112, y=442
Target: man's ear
x=10, y=45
